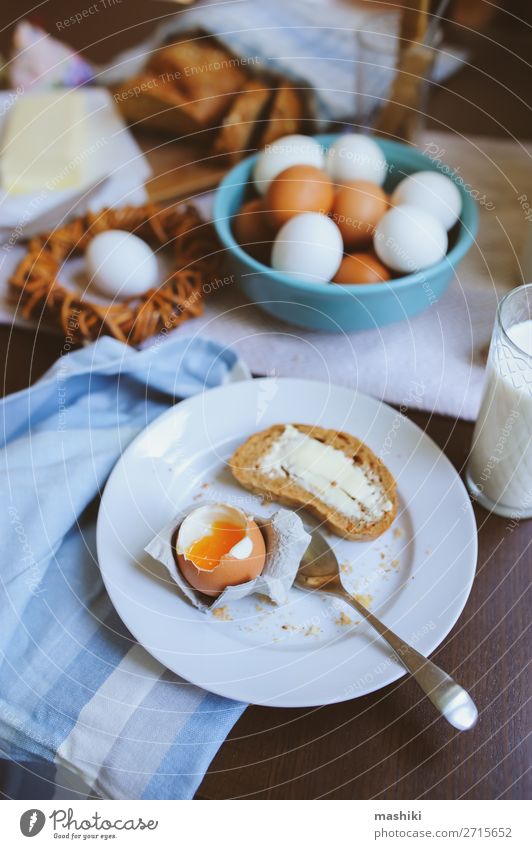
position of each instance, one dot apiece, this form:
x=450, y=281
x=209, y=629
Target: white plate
x=418, y=574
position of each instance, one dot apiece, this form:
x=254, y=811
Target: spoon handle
x=452, y=701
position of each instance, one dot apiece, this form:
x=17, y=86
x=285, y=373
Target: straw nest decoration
x=40, y=295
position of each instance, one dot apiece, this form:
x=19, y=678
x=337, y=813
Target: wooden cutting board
x=180, y=170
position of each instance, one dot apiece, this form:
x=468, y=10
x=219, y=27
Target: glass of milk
x=499, y=473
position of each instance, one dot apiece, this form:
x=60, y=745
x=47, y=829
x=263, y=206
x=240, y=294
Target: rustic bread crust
x=162, y=106
x=286, y=115
x=240, y=124
x=203, y=69
x=246, y=459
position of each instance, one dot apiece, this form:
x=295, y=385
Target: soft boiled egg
x=219, y=546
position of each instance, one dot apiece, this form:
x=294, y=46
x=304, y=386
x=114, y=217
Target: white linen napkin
x=116, y=173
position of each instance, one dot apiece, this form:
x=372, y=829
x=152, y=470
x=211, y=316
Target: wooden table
x=390, y=745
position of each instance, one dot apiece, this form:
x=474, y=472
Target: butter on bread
x=303, y=466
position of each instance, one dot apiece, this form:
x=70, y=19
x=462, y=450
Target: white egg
x=309, y=247
x=283, y=153
x=355, y=157
x=409, y=239
x=119, y=264
x=433, y=192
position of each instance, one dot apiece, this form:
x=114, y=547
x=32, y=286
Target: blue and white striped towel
x=75, y=688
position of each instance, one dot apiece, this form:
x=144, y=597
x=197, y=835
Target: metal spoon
x=319, y=571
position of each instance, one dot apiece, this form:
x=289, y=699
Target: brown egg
x=361, y=268
x=357, y=209
x=219, y=546
x=253, y=230
x=300, y=188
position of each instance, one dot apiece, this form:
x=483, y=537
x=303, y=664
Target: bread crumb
x=289, y=627
x=222, y=613
x=398, y=533
x=346, y=567
x=259, y=607
x=395, y=564
x=264, y=599
x=383, y=556
x=205, y=485
x=344, y=619
x=365, y=599
x=313, y=631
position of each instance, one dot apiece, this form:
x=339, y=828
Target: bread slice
x=159, y=105
x=240, y=124
x=203, y=69
x=286, y=115
x=246, y=463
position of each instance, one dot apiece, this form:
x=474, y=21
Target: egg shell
x=434, y=193
x=289, y=150
x=359, y=268
x=355, y=157
x=285, y=539
x=300, y=188
x=120, y=264
x=231, y=570
x=308, y=247
x=358, y=207
x=408, y=239
x=253, y=230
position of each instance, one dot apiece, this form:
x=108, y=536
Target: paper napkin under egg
x=286, y=542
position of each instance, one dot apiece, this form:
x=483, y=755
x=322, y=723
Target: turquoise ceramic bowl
x=326, y=306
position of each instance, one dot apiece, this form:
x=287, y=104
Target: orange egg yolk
x=207, y=552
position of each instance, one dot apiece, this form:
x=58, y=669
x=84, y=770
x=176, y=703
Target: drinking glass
x=377, y=59
x=499, y=473
x=377, y=56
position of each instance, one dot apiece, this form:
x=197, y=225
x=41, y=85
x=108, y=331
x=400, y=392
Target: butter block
x=286, y=542
x=45, y=143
